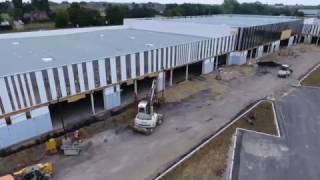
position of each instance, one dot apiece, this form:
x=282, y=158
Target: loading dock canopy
x=34, y=53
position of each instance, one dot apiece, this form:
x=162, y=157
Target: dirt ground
x=210, y=162
x=184, y=90
x=313, y=79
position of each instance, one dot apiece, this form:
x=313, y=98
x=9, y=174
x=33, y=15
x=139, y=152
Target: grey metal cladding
x=2, y=107
x=108, y=70
x=57, y=82
x=35, y=87
x=146, y=62
x=85, y=76
x=118, y=68
x=217, y=48
x=25, y=79
x=137, y=55
x=128, y=65
x=15, y=91
x=24, y=96
x=46, y=84
x=157, y=60
x=152, y=60
x=167, y=57
x=75, y=72
x=96, y=74
x=67, y=80
x=225, y=44
x=6, y=80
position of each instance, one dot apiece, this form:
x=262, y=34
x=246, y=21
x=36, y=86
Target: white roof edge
x=213, y=15
x=58, y=32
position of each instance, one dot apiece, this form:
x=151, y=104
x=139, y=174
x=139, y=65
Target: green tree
x=16, y=13
x=191, y=9
x=42, y=5
x=81, y=16
x=62, y=18
x=17, y=4
x=138, y=11
x=230, y=6
x=116, y=13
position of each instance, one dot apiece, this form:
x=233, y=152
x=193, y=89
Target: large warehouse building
x=78, y=72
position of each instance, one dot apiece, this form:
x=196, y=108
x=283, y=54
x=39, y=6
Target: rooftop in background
x=23, y=52
x=233, y=20
x=310, y=12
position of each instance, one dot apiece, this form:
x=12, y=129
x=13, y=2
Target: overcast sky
x=290, y=2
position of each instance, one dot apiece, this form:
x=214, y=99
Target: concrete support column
x=299, y=39
x=161, y=82
x=92, y=103
x=216, y=62
x=290, y=43
x=171, y=77
x=187, y=72
x=111, y=97
x=207, y=66
x=136, y=89
x=251, y=56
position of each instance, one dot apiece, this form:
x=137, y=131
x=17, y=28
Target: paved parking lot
x=295, y=155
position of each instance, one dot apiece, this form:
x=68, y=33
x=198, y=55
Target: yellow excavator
x=34, y=172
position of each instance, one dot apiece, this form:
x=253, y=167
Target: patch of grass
x=39, y=26
x=313, y=79
x=210, y=162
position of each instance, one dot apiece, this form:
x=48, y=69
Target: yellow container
x=51, y=146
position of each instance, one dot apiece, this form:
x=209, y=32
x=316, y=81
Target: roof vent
x=47, y=59
x=149, y=45
x=132, y=37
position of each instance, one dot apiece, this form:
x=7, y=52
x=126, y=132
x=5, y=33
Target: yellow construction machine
x=34, y=172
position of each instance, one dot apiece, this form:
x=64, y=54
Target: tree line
x=80, y=15
x=229, y=7
x=17, y=8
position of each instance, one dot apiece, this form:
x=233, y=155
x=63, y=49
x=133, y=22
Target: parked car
x=284, y=71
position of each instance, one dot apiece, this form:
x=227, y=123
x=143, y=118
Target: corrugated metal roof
x=34, y=53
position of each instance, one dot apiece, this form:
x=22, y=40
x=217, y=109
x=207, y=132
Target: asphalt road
x=132, y=156
x=295, y=155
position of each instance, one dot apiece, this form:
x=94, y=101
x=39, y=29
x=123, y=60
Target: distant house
x=18, y=25
x=310, y=12
x=36, y=16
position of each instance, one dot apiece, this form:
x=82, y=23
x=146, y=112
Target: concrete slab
x=295, y=155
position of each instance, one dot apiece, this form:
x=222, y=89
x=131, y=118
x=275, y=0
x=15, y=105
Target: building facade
x=47, y=71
